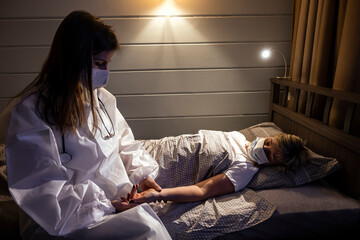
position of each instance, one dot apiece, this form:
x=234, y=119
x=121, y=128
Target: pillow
x=270, y=177
x=266, y=129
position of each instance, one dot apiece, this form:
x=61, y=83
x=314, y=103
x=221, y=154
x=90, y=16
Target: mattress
x=314, y=210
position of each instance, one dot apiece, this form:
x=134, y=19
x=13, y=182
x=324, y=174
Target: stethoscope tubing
x=66, y=157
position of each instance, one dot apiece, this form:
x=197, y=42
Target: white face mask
x=100, y=77
x=256, y=151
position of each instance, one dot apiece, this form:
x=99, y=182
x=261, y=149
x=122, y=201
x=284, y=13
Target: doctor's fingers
x=157, y=187
x=149, y=183
x=150, y=195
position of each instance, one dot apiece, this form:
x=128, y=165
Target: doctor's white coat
x=65, y=197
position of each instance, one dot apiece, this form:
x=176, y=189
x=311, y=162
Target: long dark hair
x=64, y=82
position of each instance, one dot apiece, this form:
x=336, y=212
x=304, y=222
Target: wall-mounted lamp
x=267, y=53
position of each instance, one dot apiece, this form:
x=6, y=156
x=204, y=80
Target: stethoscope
x=66, y=157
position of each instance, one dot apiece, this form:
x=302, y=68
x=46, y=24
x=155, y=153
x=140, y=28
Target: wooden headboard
x=321, y=138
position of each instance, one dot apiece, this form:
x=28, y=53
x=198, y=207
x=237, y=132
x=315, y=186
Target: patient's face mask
x=256, y=151
x=100, y=77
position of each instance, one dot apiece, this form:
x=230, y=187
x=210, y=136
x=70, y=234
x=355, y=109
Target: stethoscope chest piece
x=65, y=157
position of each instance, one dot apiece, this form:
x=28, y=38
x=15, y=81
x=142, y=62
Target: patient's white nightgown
x=242, y=170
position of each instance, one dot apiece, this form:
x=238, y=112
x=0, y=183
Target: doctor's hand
x=150, y=195
x=149, y=183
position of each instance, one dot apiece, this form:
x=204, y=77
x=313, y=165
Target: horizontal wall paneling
x=192, y=81
x=155, y=57
x=167, y=81
x=205, y=104
x=159, y=30
x=199, y=68
x=160, y=127
x=111, y=8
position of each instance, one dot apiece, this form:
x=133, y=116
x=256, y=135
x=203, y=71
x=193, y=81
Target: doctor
x=71, y=156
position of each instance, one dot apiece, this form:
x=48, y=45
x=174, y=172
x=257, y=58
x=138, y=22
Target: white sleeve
x=240, y=172
x=39, y=183
x=138, y=162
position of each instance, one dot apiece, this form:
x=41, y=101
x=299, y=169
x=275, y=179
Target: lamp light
x=168, y=9
x=267, y=53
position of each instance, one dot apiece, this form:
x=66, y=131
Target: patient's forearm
x=214, y=186
x=182, y=194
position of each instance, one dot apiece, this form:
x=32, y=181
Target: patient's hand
x=126, y=203
x=122, y=205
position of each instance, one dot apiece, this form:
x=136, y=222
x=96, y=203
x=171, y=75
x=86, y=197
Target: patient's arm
x=214, y=186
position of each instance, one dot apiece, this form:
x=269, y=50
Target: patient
x=283, y=150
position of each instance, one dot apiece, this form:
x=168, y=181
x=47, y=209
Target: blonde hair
x=293, y=153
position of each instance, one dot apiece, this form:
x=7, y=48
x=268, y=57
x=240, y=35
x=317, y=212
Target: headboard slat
x=341, y=95
x=329, y=101
x=349, y=117
x=322, y=138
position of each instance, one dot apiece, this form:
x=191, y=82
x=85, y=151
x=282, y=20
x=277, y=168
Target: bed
x=320, y=200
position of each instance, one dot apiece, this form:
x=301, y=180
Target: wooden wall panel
x=199, y=68
x=115, y=8
x=40, y=32
x=205, y=104
x=155, y=57
x=166, y=81
x=12, y=84
x=159, y=127
x=198, y=56
x=192, y=81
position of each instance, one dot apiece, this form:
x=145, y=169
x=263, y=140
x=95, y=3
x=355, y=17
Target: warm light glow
x=168, y=9
x=265, y=53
